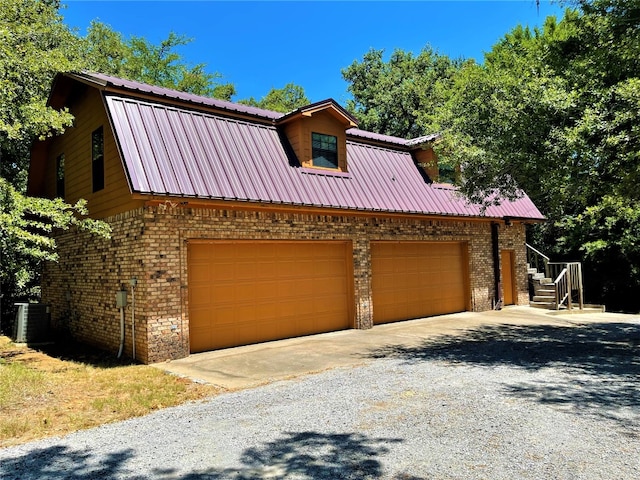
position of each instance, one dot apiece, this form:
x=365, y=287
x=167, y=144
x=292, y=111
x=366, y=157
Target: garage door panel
x=200, y=295
x=417, y=279
x=200, y=318
x=259, y=291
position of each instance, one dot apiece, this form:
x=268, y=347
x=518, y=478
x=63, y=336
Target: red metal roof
x=173, y=151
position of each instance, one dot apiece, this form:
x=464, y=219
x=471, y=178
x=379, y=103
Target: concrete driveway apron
x=254, y=365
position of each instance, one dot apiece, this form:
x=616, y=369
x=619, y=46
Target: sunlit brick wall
x=151, y=244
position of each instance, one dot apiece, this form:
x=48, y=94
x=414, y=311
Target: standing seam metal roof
x=173, y=151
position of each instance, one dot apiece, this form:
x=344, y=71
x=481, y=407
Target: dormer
x=426, y=159
x=317, y=135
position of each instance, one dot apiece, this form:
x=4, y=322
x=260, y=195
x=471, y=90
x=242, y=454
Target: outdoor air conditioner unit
x=32, y=323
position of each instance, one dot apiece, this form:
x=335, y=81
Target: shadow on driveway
x=591, y=368
x=293, y=455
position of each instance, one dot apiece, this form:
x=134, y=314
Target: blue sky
x=257, y=45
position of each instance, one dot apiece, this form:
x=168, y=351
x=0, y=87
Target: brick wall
x=151, y=244
x=82, y=286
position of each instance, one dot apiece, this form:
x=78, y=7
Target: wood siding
x=428, y=162
x=299, y=134
x=75, y=144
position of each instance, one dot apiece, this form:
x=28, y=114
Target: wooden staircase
x=554, y=285
x=542, y=290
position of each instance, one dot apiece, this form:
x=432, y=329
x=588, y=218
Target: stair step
x=532, y=271
x=544, y=288
x=545, y=298
x=547, y=305
x=539, y=278
x=545, y=293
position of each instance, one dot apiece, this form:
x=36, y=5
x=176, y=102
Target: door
x=243, y=292
x=418, y=279
x=507, y=272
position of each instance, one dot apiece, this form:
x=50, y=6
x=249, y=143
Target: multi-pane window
x=97, y=159
x=324, y=150
x=60, y=176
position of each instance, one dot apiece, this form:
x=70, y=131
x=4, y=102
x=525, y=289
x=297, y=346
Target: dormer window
x=324, y=150
x=317, y=135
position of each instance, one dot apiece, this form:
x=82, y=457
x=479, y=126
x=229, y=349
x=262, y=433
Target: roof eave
x=329, y=105
x=184, y=199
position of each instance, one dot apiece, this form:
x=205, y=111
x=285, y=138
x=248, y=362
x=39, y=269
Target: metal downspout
x=497, y=305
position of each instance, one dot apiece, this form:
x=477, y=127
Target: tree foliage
x=35, y=44
x=284, y=100
x=395, y=97
x=106, y=51
x=26, y=225
x=554, y=111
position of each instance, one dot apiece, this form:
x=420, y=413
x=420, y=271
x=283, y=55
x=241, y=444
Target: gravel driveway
x=501, y=402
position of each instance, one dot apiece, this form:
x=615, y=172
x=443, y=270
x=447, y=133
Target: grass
x=60, y=390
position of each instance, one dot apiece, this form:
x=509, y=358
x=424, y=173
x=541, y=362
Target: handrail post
x=580, y=291
x=547, y=273
x=569, y=290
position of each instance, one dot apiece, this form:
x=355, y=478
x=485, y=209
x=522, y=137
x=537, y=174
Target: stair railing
x=536, y=259
x=566, y=277
x=563, y=289
x=568, y=283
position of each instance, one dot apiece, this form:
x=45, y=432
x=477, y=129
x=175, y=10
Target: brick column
x=362, y=280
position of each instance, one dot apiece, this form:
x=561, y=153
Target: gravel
x=473, y=410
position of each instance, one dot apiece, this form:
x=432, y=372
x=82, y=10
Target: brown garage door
x=247, y=292
x=417, y=279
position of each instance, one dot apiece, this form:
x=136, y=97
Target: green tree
x=106, y=51
x=608, y=235
x=504, y=123
x=26, y=226
x=284, y=100
x=34, y=45
x=555, y=112
x=395, y=97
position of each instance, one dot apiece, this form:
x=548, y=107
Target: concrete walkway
x=253, y=365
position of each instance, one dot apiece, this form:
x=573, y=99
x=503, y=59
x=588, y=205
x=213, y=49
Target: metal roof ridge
x=315, y=106
x=422, y=140
x=379, y=137
x=123, y=84
x=134, y=86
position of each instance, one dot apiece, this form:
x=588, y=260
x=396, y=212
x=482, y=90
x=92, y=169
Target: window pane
x=97, y=159
x=60, y=176
x=324, y=150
